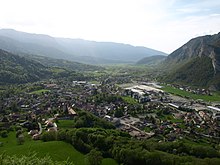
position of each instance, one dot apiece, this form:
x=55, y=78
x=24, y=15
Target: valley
x=155, y=110
x=117, y=99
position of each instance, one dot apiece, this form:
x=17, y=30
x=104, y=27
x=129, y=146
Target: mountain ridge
x=203, y=52
x=24, y=68
x=73, y=49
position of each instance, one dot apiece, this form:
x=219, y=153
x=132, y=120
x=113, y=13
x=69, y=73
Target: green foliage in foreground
x=54, y=150
x=30, y=160
x=119, y=145
x=172, y=90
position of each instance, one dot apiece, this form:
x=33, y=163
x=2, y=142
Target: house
x=71, y=112
x=213, y=109
x=173, y=105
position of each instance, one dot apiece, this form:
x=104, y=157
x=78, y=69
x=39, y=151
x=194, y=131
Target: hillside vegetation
x=152, y=60
x=196, y=63
x=16, y=69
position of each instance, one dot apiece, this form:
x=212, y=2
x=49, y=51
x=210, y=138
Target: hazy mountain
x=197, y=62
x=107, y=50
x=25, y=43
x=152, y=60
x=60, y=63
x=72, y=49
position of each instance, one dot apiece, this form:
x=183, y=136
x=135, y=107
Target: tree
x=49, y=136
x=119, y=112
x=94, y=157
x=14, y=107
x=4, y=134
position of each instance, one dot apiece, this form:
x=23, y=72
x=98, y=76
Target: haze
x=158, y=24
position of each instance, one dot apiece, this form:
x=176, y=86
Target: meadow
x=182, y=93
x=57, y=150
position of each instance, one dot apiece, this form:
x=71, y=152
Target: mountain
x=196, y=63
x=72, y=49
x=152, y=60
x=60, y=63
x=25, y=43
x=107, y=50
x=16, y=69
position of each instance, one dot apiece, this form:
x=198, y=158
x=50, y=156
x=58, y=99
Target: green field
x=58, y=70
x=38, y=92
x=170, y=118
x=129, y=100
x=65, y=123
x=175, y=91
x=57, y=150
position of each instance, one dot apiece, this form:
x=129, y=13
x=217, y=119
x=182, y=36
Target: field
x=170, y=118
x=175, y=91
x=65, y=123
x=57, y=150
x=58, y=70
x=129, y=100
x=38, y=92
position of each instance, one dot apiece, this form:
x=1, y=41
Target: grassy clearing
x=65, y=123
x=57, y=150
x=175, y=91
x=109, y=161
x=38, y=92
x=129, y=100
x=58, y=70
x=171, y=118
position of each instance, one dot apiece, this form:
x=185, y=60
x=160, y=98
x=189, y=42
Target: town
x=142, y=109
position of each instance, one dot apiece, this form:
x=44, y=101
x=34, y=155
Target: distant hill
x=79, y=50
x=196, y=63
x=69, y=65
x=16, y=69
x=152, y=60
x=30, y=68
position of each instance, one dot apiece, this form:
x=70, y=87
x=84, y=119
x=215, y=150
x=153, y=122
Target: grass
x=170, y=118
x=182, y=93
x=58, y=70
x=38, y=92
x=57, y=150
x=65, y=123
x=147, y=129
x=129, y=100
x=109, y=161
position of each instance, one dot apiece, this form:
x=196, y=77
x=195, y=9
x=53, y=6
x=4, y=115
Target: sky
x=163, y=25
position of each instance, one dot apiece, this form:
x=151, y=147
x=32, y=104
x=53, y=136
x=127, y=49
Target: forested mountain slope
x=196, y=63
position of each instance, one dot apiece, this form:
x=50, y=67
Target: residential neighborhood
x=143, y=110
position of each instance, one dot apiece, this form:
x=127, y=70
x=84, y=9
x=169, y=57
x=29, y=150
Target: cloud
x=159, y=24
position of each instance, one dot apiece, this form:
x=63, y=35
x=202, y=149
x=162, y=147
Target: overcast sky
x=159, y=24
